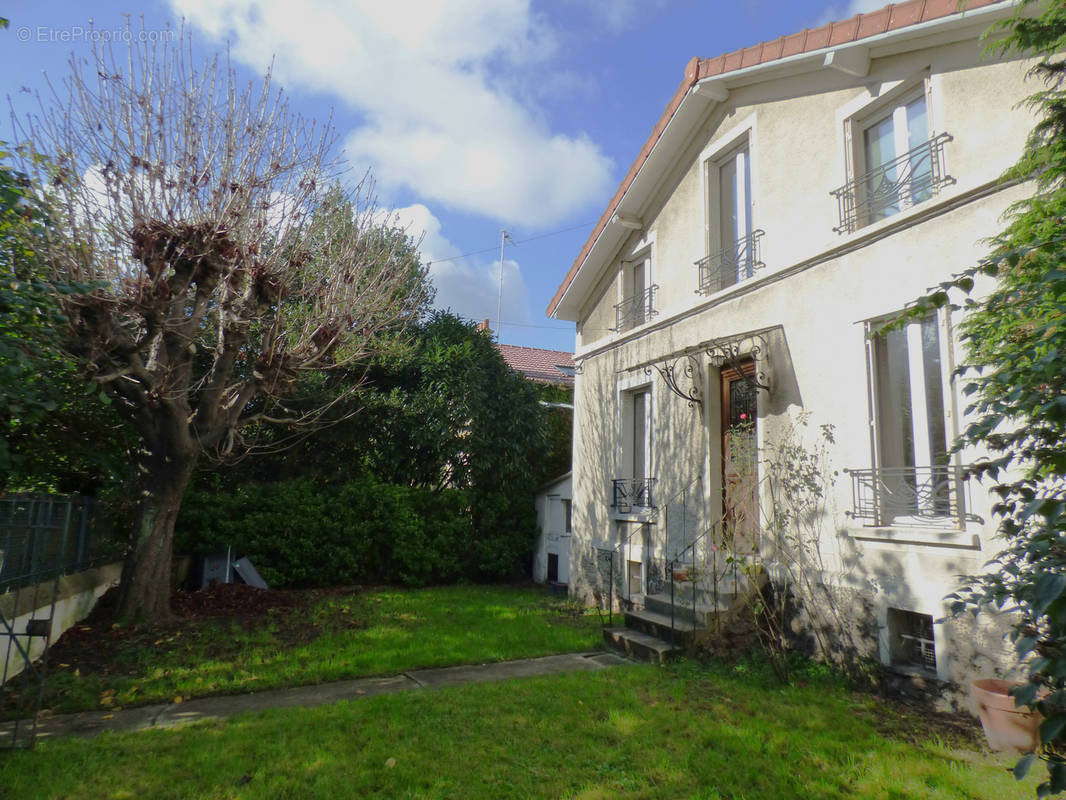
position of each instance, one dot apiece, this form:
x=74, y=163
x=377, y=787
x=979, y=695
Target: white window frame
x=742, y=133
x=626, y=388
x=946, y=342
x=854, y=117
x=642, y=254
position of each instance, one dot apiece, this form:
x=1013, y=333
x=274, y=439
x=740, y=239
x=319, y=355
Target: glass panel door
x=740, y=501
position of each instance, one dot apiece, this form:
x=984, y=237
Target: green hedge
x=301, y=533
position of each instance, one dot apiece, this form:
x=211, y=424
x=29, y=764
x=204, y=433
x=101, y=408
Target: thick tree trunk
x=145, y=588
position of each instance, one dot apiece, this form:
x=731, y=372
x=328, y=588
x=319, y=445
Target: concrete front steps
x=664, y=628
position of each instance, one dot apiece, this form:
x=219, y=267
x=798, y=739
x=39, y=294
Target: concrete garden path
x=169, y=715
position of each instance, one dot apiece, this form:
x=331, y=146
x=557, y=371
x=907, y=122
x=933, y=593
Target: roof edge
x=897, y=17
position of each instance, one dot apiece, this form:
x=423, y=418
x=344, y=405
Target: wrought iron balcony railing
x=912, y=178
x=636, y=310
x=633, y=493
x=910, y=495
x=730, y=265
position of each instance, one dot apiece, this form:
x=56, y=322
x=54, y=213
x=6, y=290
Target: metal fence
x=43, y=536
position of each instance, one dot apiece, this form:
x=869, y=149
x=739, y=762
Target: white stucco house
x=793, y=196
x=551, y=556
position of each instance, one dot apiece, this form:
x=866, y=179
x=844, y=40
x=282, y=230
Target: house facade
x=735, y=404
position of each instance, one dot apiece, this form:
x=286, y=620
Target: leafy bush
x=302, y=533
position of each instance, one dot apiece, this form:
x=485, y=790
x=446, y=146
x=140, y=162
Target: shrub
x=300, y=533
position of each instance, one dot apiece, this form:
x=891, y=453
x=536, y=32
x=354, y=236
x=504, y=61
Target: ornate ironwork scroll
x=735, y=351
x=683, y=373
x=912, y=178
x=683, y=376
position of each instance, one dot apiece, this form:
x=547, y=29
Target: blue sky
x=473, y=115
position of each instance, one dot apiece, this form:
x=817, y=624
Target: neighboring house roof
x=784, y=51
x=542, y=366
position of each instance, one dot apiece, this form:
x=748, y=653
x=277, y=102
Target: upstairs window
x=638, y=295
x=733, y=255
x=898, y=163
x=899, y=170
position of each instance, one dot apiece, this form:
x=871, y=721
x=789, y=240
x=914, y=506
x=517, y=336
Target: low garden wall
x=75, y=596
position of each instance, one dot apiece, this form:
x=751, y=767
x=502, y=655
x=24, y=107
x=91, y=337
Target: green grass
x=629, y=732
x=339, y=636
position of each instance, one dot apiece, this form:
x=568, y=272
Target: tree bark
x=144, y=592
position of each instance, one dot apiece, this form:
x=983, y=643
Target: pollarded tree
x=228, y=264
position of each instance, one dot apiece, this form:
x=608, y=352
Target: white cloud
x=430, y=79
x=841, y=11
x=469, y=288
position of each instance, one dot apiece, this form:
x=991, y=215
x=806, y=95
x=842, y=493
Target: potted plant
x=1007, y=726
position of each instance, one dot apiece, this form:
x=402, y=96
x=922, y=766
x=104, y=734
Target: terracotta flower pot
x=1006, y=726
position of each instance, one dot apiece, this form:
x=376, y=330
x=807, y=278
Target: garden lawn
x=326, y=636
x=627, y=732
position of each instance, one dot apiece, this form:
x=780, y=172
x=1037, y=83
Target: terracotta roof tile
x=793, y=44
x=873, y=23
x=772, y=50
x=750, y=56
x=904, y=14
x=845, y=31
x=817, y=38
x=712, y=66
x=934, y=9
x=861, y=26
x=733, y=60
x=539, y=365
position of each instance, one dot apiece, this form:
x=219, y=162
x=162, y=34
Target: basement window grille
x=912, y=640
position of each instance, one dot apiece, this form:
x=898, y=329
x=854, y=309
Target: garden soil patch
x=96, y=645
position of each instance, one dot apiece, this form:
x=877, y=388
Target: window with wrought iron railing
x=892, y=186
x=733, y=264
x=630, y=493
x=936, y=495
x=635, y=310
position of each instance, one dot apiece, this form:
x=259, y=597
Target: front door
x=740, y=496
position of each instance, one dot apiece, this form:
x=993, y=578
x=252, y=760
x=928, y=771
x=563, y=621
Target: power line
x=523, y=324
x=523, y=241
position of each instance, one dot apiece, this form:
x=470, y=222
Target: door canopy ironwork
x=683, y=375
x=682, y=371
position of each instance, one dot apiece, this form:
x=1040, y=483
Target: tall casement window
x=895, y=160
x=734, y=253
x=734, y=192
x=913, y=480
x=898, y=162
x=634, y=487
x=638, y=294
